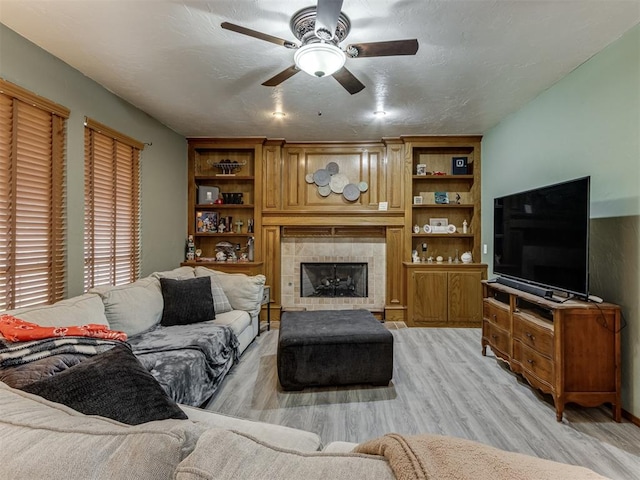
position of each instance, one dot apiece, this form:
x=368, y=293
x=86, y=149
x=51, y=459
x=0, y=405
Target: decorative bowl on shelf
x=227, y=167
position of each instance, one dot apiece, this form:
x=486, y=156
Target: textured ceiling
x=478, y=61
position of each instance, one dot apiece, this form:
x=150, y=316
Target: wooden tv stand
x=570, y=350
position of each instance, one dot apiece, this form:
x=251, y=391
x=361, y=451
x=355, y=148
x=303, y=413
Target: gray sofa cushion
x=113, y=384
x=186, y=301
x=220, y=299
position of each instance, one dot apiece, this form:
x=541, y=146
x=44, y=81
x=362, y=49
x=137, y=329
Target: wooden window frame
x=112, y=219
x=33, y=268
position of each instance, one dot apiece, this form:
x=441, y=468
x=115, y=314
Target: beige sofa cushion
x=42, y=439
x=180, y=273
x=243, y=291
x=223, y=454
x=80, y=310
x=276, y=435
x=132, y=308
x=238, y=320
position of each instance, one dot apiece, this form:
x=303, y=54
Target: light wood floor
x=441, y=385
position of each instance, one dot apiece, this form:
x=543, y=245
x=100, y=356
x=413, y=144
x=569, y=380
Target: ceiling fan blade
x=258, y=35
x=327, y=14
x=384, y=49
x=281, y=77
x=348, y=80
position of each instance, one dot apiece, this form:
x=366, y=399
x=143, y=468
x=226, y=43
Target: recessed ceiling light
x=379, y=113
x=279, y=114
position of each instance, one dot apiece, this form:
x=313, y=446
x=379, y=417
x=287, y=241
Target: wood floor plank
x=441, y=384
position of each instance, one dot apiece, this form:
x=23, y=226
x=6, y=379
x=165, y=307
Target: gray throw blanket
x=189, y=361
x=20, y=353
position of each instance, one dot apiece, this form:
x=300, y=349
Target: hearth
x=334, y=279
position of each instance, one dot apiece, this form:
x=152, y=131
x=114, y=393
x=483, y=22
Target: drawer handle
x=530, y=361
x=495, y=317
x=530, y=336
x=494, y=336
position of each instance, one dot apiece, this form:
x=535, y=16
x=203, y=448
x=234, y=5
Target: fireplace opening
x=332, y=279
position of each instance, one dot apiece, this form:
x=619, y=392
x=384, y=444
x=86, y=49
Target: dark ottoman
x=333, y=347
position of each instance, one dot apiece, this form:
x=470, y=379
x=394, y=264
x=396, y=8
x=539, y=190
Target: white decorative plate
x=451, y=228
x=426, y=228
x=338, y=182
x=351, y=192
x=363, y=186
x=309, y=178
x=324, y=190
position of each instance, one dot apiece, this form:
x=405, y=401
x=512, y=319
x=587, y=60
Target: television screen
x=541, y=236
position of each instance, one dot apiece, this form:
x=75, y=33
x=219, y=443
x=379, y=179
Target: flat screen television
x=541, y=237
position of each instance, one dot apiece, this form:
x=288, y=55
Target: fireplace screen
x=331, y=279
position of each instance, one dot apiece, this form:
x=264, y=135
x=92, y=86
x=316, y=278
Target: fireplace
x=334, y=279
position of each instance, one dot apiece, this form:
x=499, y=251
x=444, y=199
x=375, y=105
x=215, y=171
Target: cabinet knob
x=495, y=317
x=530, y=336
x=494, y=336
x=530, y=361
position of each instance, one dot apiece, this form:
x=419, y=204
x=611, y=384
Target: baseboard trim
x=632, y=418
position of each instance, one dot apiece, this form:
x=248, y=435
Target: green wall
x=586, y=124
x=163, y=164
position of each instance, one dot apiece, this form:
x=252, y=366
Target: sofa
x=42, y=439
x=109, y=417
x=189, y=360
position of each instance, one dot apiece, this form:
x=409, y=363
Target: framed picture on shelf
x=417, y=200
x=441, y=198
x=438, y=225
x=206, y=222
x=459, y=165
x=421, y=169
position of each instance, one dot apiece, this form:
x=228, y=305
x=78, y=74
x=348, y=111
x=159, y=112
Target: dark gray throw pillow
x=113, y=384
x=186, y=301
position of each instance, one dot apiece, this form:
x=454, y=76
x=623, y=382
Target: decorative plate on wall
x=324, y=190
x=338, y=182
x=333, y=168
x=309, y=178
x=351, y=192
x=363, y=186
x=321, y=177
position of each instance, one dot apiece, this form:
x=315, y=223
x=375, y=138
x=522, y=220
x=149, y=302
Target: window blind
x=32, y=199
x=112, y=207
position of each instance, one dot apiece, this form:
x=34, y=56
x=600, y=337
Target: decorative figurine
x=250, y=225
x=414, y=257
x=191, y=248
x=465, y=227
x=466, y=257
x=239, y=224
x=221, y=256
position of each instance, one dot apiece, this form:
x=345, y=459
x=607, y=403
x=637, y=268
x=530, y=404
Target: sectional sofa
x=144, y=434
x=189, y=360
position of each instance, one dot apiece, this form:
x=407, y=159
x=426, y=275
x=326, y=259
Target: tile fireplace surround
x=298, y=250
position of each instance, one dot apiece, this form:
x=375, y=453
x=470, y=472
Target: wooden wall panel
x=271, y=256
x=272, y=174
x=359, y=162
x=395, y=279
x=395, y=175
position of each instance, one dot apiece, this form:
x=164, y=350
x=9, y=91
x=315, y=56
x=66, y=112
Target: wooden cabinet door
x=428, y=297
x=465, y=296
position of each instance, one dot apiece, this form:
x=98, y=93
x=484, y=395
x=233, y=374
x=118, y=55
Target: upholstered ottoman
x=333, y=347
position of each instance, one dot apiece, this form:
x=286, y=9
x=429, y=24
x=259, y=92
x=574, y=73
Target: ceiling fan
x=320, y=30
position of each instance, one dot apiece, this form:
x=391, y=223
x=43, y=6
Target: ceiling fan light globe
x=319, y=59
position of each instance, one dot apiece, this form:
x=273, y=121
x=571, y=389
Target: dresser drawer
x=538, y=365
x=496, y=313
x=534, y=333
x=498, y=339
